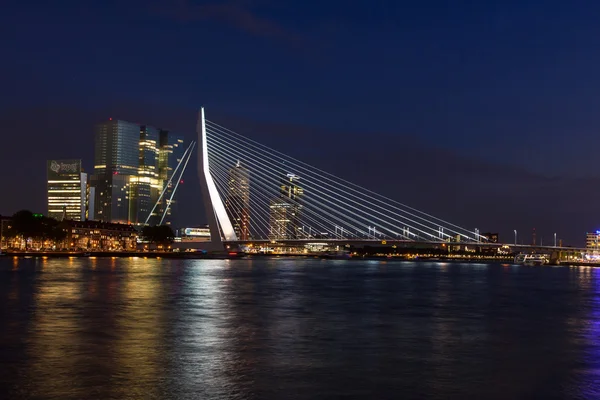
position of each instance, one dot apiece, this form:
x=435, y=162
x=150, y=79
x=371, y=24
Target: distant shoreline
x=225, y=255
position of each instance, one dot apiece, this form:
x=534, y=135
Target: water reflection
x=203, y=353
x=144, y=328
x=139, y=329
x=53, y=348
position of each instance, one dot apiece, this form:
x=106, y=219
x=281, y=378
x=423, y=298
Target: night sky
x=482, y=113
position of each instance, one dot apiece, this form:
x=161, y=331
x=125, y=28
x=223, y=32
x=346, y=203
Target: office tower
x=289, y=188
x=133, y=163
x=116, y=160
x=285, y=210
x=170, y=155
x=280, y=219
x=592, y=241
x=145, y=186
x=293, y=193
x=67, y=190
x=237, y=202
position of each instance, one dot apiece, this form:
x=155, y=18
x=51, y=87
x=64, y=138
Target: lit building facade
x=170, y=153
x=285, y=210
x=592, y=241
x=133, y=164
x=99, y=236
x=145, y=186
x=67, y=190
x=5, y=225
x=280, y=217
x=116, y=160
x=237, y=202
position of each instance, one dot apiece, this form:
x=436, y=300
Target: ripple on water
x=303, y=329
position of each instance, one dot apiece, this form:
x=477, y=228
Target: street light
x=554, y=239
x=515, y=237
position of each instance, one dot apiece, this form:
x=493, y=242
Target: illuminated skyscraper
x=280, y=215
x=128, y=173
x=67, y=189
x=289, y=188
x=170, y=153
x=237, y=202
x=116, y=160
x=285, y=210
x=145, y=185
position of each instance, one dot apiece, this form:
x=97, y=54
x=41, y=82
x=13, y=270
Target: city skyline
x=237, y=186
x=476, y=113
x=238, y=191
x=545, y=235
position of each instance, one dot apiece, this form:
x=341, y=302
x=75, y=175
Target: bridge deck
x=404, y=243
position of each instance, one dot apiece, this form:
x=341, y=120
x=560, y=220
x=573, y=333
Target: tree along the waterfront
x=161, y=234
x=28, y=226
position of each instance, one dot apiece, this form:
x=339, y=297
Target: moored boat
x=531, y=259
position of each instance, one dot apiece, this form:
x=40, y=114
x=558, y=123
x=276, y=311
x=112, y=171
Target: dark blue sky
x=498, y=99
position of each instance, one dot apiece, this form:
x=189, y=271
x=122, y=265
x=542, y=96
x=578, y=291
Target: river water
x=296, y=329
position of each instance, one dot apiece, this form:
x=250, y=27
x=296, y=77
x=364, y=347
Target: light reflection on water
x=111, y=328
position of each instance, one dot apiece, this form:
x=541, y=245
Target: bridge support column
x=218, y=221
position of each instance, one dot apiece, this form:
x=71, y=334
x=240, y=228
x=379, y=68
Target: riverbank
x=235, y=255
x=579, y=264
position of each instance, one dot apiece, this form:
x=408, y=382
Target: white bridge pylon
x=218, y=221
x=254, y=192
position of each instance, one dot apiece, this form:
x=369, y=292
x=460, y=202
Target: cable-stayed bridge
x=256, y=193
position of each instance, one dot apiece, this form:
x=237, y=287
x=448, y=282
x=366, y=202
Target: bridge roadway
x=406, y=244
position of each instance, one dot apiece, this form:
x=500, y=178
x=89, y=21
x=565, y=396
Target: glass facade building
x=130, y=172
x=145, y=185
x=67, y=190
x=116, y=159
x=117, y=148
